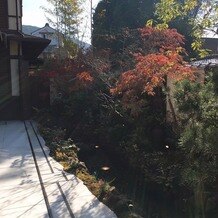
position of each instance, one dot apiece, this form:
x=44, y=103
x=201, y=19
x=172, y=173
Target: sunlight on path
x=34, y=185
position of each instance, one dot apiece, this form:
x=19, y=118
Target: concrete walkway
x=33, y=185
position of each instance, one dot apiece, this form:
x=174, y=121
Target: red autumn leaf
x=162, y=59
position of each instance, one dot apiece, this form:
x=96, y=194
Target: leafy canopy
x=159, y=57
x=201, y=14
x=64, y=15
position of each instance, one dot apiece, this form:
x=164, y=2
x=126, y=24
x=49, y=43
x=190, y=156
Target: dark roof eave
x=25, y=37
x=32, y=46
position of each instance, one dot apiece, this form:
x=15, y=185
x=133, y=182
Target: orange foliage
x=75, y=74
x=152, y=69
x=84, y=77
x=161, y=39
x=83, y=80
x=162, y=59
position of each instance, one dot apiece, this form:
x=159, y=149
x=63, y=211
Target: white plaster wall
x=12, y=23
x=14, y=11
x=12, y=7
x=51, y=34
x=15, y=83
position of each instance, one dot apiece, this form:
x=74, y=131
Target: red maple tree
x=160, y=57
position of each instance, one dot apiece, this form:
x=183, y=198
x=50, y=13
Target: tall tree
x=200, y=14
x=64, y=16
x=158, y=55
x=113, y=15
x=197, y=112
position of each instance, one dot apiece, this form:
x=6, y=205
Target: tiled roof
x=207, y=61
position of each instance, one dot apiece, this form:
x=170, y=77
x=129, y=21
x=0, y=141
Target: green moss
x=66, y=153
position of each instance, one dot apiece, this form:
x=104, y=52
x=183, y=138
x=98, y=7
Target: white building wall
x=51, y=34
x=14, y=14
x=15, y=83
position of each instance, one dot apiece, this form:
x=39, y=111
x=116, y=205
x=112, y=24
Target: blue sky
x=34, y=15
